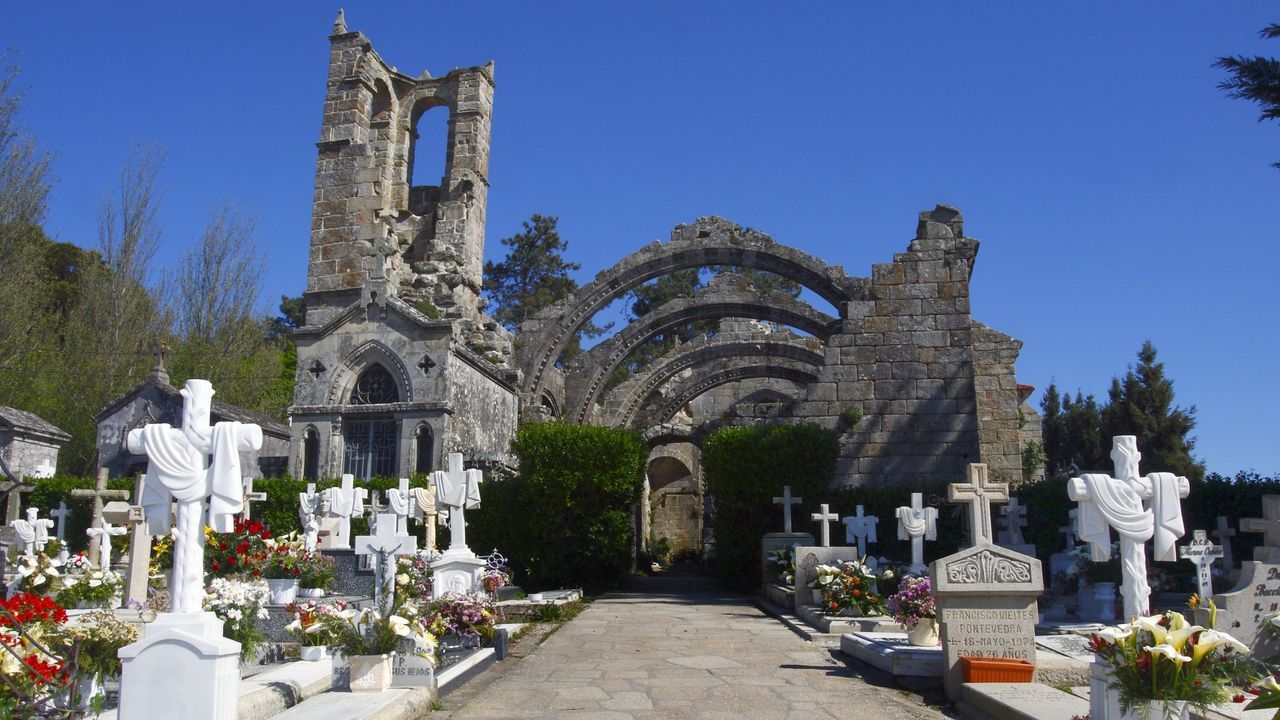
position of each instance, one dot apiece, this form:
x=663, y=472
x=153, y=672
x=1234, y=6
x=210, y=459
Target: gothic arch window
x=370, y=443
x=429, y=147
x=310, y=454
x=425, y=448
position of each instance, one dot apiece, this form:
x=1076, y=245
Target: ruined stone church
x=398, y=364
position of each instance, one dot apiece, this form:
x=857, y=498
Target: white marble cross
x=400, y=500
x=250, y=496
x=1223, y=535
x=60, y=514
x=308, y=516
x=861, y=529
x=384, y=545
x=99, y=493
x=1015, y=518
x=786, y=501
x=1269, y=526
x=1139, y=508
x=979, y=493
x=32, y=533
x=1202, y=553
x=824, y=517
x=917, y=523
x=343, y=504
x=104, y=535
x=457, y=490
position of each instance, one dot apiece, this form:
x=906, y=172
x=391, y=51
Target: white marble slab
x=1020, y=701
x=892, y=653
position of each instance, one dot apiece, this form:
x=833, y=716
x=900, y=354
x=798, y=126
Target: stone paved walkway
x=691, y=655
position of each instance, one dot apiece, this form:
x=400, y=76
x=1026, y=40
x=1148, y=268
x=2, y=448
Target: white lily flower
x=1266, y=684
x=1167, y=651
x=1115, y=634
x=1211, y=639
x=294, y=626
x=1153, y=626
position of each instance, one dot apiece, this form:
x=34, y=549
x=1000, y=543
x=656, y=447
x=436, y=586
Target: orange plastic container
x=1002, y=670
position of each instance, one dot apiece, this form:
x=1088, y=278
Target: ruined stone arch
x=356, y=361
x=585, y=379
x=708, y=241
x=715, y=374
x=624, y=401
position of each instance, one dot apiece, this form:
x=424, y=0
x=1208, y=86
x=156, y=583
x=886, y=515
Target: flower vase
x=86, y=689
x=924, y=634
x=370, y=673
x=283, y=590
x=307, y=592
x=1105, y=595
x=1158, y=710
x=313, y=653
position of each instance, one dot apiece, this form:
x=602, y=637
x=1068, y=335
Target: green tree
x=534, y=275
x=1256, y=79
x=1141, y=404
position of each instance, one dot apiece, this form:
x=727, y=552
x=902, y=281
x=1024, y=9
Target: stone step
x=892, y=653
x=1019, y=701
x=395, y=704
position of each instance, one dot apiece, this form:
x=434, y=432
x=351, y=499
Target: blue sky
x=1117, y=194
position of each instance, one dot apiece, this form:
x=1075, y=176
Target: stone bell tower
x=371, y=230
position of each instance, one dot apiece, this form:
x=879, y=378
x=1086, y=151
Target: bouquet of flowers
x=239, y=603
x=281, y=558
x=241, y=552
x=495, y=574
x=307, y=626
x=316, y=571
x=471, y=617
x=31, y=668
x=413, y=575
x=98, y=636
x=849, y=585
x=95, y=588
x=41, y=574
x=913, y=602
x=374, y=632
x=780, y=559
x=1164, y=658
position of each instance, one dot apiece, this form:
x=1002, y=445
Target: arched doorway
x=675, y=499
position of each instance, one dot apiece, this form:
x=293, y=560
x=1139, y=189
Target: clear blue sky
x=1117, y=194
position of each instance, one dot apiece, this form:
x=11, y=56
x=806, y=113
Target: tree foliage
x=1078, y=432
x=1256, y=79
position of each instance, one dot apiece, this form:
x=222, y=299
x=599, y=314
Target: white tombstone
x=861, y=529
x=457, y=570
x=1015, y=518
x=424, y=510
x=400, y=500
x=824, y=517
x=339, y=505
x=60, y=514
x=917, y=523
x=383, y=546
x=786, y=501
x=1139, y=508
x=103, y=536
x=183, y=666
x=1202, y=553
x=309, y=516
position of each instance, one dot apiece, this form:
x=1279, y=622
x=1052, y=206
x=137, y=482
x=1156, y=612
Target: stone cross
x=1071, y=530
x=825, y=517
x=400, y=500
x=918, y=523
x=1139, y=508
x=457, y=490
x=1202, y=553
x=104, y=535
x=979, y=494
x=1015, y=518
x=1269, y=526
x=134, y=517
x=861, y=529
x=786, y=501
x=384, y=545
x=250, y=496
x=99, y=493
x=60, y=515
x=198, y=467
x=1223, y=534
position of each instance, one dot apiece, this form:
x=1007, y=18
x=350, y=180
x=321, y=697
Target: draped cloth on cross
x=909, y=526
x=176, y=471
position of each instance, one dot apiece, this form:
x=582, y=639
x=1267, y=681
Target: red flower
x=1237, y=698
x=257, y=572
x=215, y=566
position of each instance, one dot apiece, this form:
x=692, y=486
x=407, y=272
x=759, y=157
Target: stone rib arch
x=708, y=241
x=348, y=371
x=624, y=401
x=715, y=374
x=584, y=381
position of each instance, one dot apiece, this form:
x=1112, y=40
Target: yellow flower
x=1153, y=626
x=1178, y=638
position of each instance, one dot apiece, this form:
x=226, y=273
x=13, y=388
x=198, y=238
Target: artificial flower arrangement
x=99, y=637
x=913, y=602
x=848, y=585
x=91, y=588
x=1165, y=659
x=41, y=573
x=281, y=558
x=373, y=631
x=470, y=617
x=241, y=552
x=239, y=603
x=495, y=574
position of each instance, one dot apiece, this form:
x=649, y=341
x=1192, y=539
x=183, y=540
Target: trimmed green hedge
x=565, y=519
x=745, y=467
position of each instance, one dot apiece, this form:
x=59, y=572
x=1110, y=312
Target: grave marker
x=400, y=500
x=917, y=523
x=60, y=514
x=457, y=570
x=99, y=493
x=786, y=501
x=824, y=517
x=861, y=529
x=1269, y=526
x=1223, y=535
x=250, y=496
x=384, y=545
x=134, y=518
x=978, y=494
x=1202, y=553
x=424, y=509
x=104, y=533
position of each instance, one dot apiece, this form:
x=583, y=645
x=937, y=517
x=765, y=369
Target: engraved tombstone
x=1256, y=595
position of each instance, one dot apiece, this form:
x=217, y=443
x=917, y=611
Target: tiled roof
x=23, y=420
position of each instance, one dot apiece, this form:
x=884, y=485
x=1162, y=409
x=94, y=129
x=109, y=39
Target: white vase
x=1158, y=710
x=924, y=634
x=311, y=592
x=370, y=673
x=283, y=590
x=313, y=653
